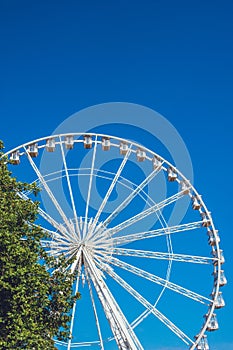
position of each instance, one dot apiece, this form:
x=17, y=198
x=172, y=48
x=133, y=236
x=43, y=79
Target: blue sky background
x=175, y=57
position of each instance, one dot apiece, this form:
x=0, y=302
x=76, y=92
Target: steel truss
x=102, y=246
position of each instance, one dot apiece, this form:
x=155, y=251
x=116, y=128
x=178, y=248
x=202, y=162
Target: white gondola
x=15, y=158
x=212, y=324
x=156, y=161
x=203, y=343
x=172, y=175
x=196, y=203
x=141, y=155
x=213, y=237
x=215, y=256
x=94, y=238
x=87, y=141
x=106, y=143
x=69, y=142
x=205, y=220
x=50, y=145
x=123, y=148
x=222, y=278
x=33, y=150
x=184, y=187
x=219, y=302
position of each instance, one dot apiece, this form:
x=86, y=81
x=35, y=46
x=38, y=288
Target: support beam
x=121, y=329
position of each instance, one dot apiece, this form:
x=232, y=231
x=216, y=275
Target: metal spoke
x=158, y=280
x=146, y=304
x=90, y=186
x=62, y=231
x=153, y=209
x=111, y=187
x=94, y=308
x=109, y=248
x=163, y=256
x=73, y=267
x=50, y=194
x=118, y=241
x=70, y=188
x=133, y=194
x=122, y=331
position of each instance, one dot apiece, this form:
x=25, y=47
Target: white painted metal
x=90, y=185
x=149, y=306
x=133, y=194
x=70, y=189
x=124, y=334
x=159, y=280
x=92, y=240
x=94, y=308
x=49, y=192
x=161, y=255
x=76, y=263
x=145, y=213
x=119, y=241
x=113, y=183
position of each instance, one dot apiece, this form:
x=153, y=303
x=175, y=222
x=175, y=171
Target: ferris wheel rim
x=216, y=286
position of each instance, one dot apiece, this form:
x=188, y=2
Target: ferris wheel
x=148, y=277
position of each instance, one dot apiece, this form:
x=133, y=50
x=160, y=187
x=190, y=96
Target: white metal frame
x=95, y=243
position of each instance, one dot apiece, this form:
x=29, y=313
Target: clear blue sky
x=175, y=57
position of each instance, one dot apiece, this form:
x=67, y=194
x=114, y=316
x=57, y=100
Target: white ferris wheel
x=146, y=279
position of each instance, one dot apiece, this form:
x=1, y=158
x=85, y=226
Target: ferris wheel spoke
x=146, y=304
x=70, y=188
x=76, y=264
x=90, y=186
x=61, y=231
x=55, y=236
x=97, y=242
x=59, y=227
x=68, y=253
x=133, y=194
x=94, y=309
x=56, y=242
x=158, y=280
x=121, y=329
x=122, y=240
x=49, y=192
x=162, y=256
x=111, y=187
x=153, y=209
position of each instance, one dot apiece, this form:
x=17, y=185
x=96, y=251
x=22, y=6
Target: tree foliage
x=35, y=304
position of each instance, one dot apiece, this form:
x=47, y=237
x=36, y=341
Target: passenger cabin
x=172, y=175
x=106, y=143
x=33, y=150
x=213, y=237
x=69, y=142
x=50, y=145
x=205, y=219
x=219, y=302
x=203, y=343
x=87, y=141
x=212, y=324
x=156, y=161
x=15, y=158
x=215, y=256
x=196, y=203
x=141, y=155
x=222, y=278
x=184, y=186
x=123, y=148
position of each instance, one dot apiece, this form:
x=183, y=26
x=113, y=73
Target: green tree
x=35, y=304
